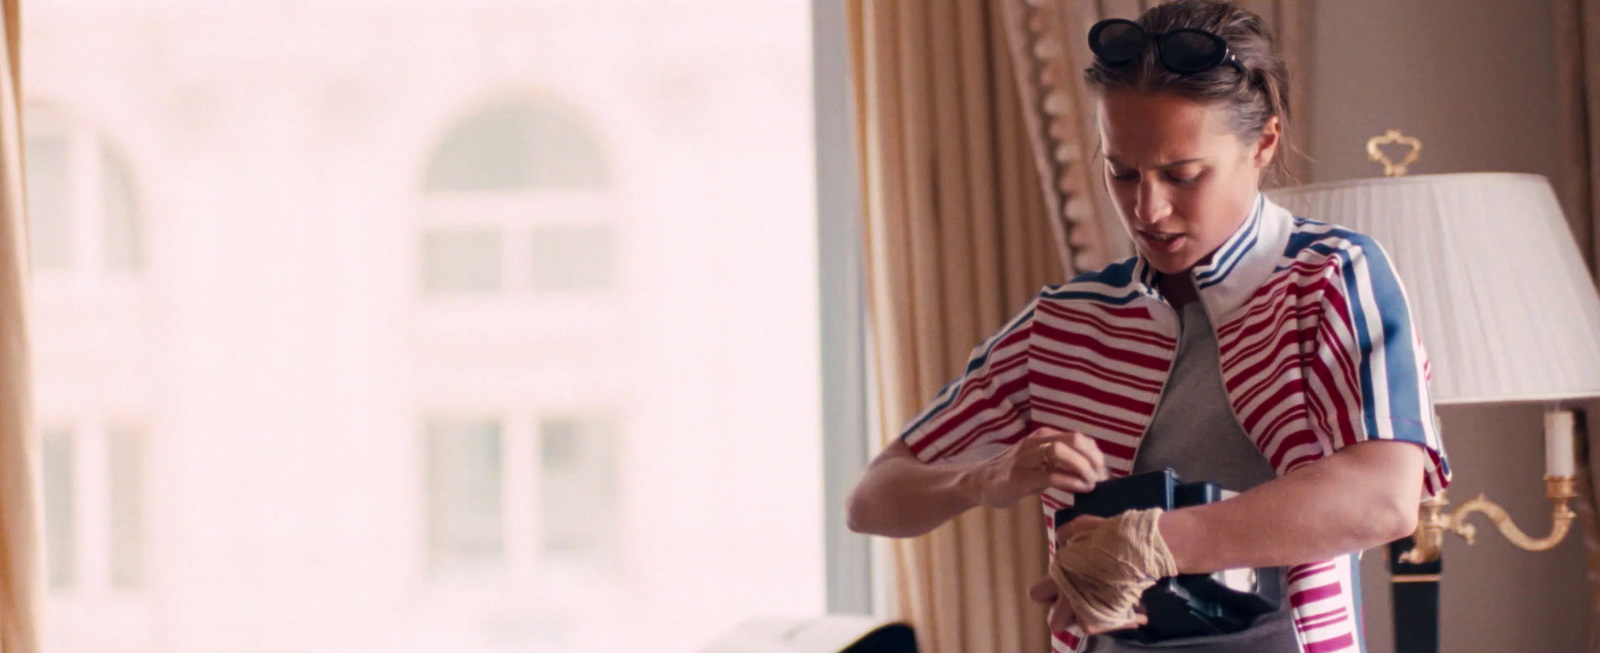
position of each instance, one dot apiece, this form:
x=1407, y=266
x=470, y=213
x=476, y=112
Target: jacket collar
x=1239, y=266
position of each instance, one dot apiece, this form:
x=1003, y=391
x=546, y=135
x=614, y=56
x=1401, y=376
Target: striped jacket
x=1318, y=351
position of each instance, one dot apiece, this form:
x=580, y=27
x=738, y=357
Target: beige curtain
x=1050, y=50
x=19, y=503
x=958, y=239
x=1577, y=40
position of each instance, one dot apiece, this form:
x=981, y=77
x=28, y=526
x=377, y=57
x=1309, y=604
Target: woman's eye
x=1124, y=176
x=1182, y=181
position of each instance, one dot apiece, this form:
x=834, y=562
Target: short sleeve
x=986, y=407
x=1370, y=374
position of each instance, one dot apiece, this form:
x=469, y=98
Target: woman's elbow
x=858, y=513
x=1391, y=519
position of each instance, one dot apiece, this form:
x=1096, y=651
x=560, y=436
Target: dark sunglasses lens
x=1119, y=42
x=1188, y=52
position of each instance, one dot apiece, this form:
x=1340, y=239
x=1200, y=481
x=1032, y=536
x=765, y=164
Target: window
x=82, y=205
x=60, y=512
x=126, y=461
x=470, y=343
x=519, y=200
x=574, y=258
x=462, y=260
x=50, y=206
x=578, y=492
x=464, y=502
x=518, y=148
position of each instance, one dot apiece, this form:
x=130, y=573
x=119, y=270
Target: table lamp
x=1507, y=312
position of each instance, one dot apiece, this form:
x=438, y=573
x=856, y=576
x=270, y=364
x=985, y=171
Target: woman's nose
x=1152, y=204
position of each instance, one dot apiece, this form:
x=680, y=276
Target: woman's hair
x=1251, y=97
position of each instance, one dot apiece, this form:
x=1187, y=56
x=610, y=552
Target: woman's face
x=1181, y=180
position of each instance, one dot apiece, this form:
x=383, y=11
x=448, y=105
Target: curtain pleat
x=19, y=462
x=958, y=239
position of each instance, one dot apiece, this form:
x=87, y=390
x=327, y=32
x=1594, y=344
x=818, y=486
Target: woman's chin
x=1168, y=263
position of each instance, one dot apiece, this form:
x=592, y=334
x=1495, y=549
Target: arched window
x=518, y=148
x=504, y=191
x=83, y=206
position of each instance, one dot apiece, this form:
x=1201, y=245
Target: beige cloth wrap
x=1103, y=571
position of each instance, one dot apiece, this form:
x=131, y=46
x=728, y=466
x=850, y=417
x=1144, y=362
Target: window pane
x=464, y=516
x=50, y=201
x=60, y=531
x=574, y=258
x=124, y=237
x=526, y=148
x=126, y=466
x=461, y=261
x=578, y=492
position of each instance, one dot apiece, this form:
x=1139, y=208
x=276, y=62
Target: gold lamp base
x=1434, y=521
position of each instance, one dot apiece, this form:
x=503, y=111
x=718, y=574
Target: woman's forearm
x=900, y=496
x=1363, y=496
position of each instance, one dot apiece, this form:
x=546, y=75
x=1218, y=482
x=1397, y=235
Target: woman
x=1269, y=354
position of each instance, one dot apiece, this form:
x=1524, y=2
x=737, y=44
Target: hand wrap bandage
x=1103, y=571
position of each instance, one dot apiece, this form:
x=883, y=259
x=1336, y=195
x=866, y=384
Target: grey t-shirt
x=1195, y=433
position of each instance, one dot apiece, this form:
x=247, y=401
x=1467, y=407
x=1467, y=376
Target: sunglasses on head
x=1188, y=50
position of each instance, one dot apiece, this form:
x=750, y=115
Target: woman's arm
x=1363, y=496
x=901, y=496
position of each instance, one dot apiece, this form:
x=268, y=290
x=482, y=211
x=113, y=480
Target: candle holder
x=1434, y=521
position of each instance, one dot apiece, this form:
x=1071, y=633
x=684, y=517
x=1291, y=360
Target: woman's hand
x=1045, y=590
x=1046, y=458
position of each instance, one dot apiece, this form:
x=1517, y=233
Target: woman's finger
x=1138, y=620
x=1063, y=458
x=1061, y=617
x=1071, y=482
x=1044, y=591
x=1086, y=446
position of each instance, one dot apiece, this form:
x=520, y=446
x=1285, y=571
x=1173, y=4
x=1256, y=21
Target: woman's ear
x=1267, y=143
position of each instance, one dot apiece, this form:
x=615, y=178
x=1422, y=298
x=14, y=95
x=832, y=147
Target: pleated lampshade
x=1506, y=308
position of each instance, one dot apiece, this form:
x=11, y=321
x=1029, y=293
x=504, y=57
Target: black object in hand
x=1188, y=605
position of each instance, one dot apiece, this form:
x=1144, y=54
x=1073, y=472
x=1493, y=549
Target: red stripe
x=1284, y=420
x=1278, y=288
x=1331, y=644
x=1107, y=447
x=1146, y=336
x=1096, y=395
x=1100, y=347
x=1120, y=312
x=1252, y=417
x=1282, y=446
x=1301, y=571
x=983, y=429
x=1055, y=408
x=1317, y=593
x=1286, y=340
x=1108, y=375
x=994, y=366
x=1287, y=370
x=946, y=422
x=1320, y=619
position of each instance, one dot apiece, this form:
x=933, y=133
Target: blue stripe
x=953, y=389
x=1235, y=252
x=1396, y=343
x=1122, y=300
x=1355, y=603
x=1222, y=275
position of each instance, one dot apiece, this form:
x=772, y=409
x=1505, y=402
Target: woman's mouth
x=1161, y=242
